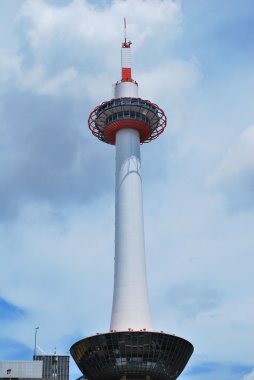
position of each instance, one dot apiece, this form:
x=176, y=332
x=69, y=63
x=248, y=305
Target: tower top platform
x=135, y=113
x=127, y=110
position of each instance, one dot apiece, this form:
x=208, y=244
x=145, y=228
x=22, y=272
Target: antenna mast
x=125, y=29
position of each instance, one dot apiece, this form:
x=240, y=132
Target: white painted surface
x=130, y=302
x=21, y=368
x=126, y=57
x=126, y=90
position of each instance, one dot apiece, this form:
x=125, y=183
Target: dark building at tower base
x=132, y=355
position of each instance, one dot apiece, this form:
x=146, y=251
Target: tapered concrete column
x=130, y=302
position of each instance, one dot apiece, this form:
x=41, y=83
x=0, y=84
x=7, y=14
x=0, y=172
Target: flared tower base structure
x=132, y=355
x=131, y=350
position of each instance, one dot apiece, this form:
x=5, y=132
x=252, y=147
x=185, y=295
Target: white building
x=21, y=369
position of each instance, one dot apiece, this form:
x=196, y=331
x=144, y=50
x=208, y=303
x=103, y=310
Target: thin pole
x=124, y=29
x=35, y=340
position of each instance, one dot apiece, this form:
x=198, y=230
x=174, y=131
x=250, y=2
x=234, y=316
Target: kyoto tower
x=131, y=349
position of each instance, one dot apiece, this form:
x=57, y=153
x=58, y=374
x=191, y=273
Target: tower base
x=132, y=355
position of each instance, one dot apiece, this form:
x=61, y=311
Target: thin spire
x=124, y=29
x=125, y=44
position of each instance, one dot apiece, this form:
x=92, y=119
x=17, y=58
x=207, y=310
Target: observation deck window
x=127, y=115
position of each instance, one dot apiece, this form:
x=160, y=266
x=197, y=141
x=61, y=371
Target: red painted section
x=110, y=131
x=126, y=74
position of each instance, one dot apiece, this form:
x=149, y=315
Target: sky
x=58, y=60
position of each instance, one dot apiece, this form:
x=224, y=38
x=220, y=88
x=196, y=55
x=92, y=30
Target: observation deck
x=135, y=113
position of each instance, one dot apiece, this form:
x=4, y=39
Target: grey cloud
x=48, y=155
x=192, y=299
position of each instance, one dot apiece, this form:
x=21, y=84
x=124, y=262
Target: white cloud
x=238, y=160
x=234, y=176
x=58, y=249
x=51, y=86
x=48, y=279
x=12, y=71
x=10, y=65
x=250, y=376
x=87, y=25
x=169, y=81
x=75, y=49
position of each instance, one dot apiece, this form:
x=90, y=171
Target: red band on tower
x=126, y=74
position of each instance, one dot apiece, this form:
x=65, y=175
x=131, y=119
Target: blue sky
x=58, y=60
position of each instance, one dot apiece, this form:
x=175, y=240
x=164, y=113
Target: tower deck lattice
x=135, y=113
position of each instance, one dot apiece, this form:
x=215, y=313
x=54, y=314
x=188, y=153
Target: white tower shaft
x=130, y=302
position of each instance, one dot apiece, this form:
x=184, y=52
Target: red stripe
x=111, y=129
x=126, y=74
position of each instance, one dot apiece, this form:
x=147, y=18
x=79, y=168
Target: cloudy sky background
x=58, y=60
